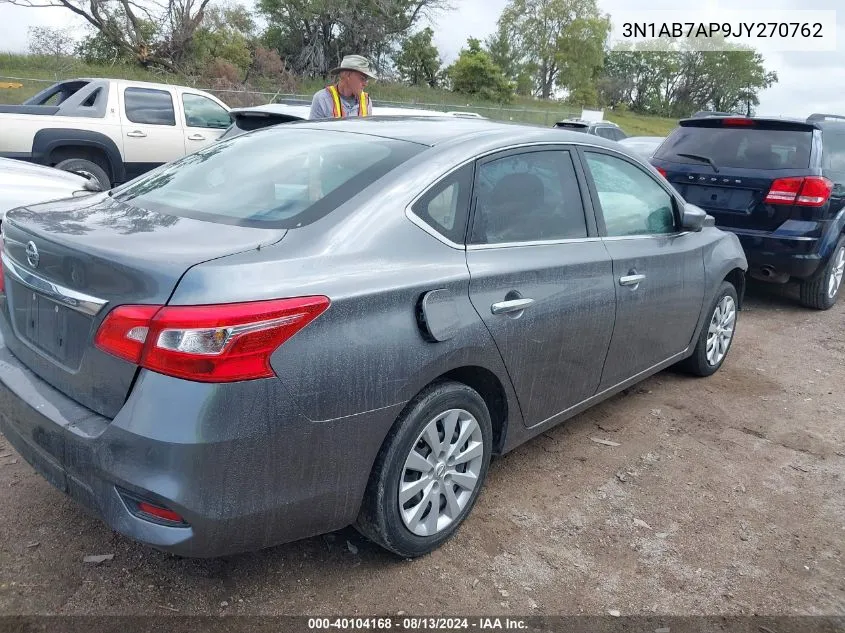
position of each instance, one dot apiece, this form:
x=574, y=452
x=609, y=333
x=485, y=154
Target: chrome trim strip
x=574, y=240
x=420, y=223
x=413, y=217
x=86, y=304
x=650, y=236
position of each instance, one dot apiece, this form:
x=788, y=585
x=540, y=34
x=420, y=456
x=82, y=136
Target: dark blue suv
x=778, y=184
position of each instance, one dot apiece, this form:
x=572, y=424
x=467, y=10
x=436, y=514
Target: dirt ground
x=724, y=497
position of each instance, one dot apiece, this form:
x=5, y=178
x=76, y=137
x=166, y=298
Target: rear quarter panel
x=366, y=352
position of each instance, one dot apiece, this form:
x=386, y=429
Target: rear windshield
x=280, y=177
x=739, y=147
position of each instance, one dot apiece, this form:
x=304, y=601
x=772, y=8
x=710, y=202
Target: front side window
x=632, y=203
x=203, y=112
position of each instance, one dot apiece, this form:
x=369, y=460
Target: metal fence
x=240, y=97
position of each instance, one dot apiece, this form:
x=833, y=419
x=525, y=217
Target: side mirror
x=694, y=218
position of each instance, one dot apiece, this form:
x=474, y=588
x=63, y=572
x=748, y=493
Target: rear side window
x=833, y=153
x=281, y=177
x=739, y=147
x=532, y=196
x=445, y=206
x=149, y=107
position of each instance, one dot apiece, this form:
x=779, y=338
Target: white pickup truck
x=110, y=129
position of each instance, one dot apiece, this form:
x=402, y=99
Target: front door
x=205, y=121
x=540, y=278
x=658, y=268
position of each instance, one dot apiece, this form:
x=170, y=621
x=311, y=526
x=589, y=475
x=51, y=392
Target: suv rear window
x=751, y=148
x=280, y=177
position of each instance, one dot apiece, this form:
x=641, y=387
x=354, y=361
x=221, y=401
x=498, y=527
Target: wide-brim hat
x=357, y=63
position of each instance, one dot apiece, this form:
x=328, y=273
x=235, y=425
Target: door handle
x=136, y=134
x=631, y=280
x=196, y=137
x=516, y=305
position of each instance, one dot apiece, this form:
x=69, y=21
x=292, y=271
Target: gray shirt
x=321, y=105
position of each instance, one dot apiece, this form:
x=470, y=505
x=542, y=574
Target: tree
x=227, y=33
x=418, y=61
x=55, y=43
x=474, y=73
x=314, y=35
x=501, y=52
x=563, y=40
x=682, y=78
x=150, y=32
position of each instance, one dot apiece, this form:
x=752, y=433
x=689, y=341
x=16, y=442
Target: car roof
x=435, y=131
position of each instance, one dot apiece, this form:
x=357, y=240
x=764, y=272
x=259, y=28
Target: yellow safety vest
x=337, y=107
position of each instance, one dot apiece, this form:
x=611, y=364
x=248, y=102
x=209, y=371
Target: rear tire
x=822, y=290
x=87, y=169
x=445, y=421
x=717, y=335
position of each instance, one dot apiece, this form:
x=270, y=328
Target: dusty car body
x=248, y=347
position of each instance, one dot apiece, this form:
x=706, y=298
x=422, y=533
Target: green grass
x=523, y=110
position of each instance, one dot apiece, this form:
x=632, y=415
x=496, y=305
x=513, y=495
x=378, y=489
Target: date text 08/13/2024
x=409, y=623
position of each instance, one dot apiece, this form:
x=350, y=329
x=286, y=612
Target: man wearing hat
x=345, y=97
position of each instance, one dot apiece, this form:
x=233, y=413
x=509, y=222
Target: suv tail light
x=661, y=171
x=812, y=191
x=735, y=121
x=214, y=343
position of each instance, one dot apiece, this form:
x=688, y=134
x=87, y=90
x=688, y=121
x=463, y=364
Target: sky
x=807, y=81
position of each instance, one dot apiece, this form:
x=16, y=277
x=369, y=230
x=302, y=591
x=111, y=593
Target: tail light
x=812, y=191
x=159, y=512
x=214, y=343
x=662, y=171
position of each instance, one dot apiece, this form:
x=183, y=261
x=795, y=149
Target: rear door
x=540, y=278
x=151, y=136
x=658, y=269
x=728, y=166
x=204, y=119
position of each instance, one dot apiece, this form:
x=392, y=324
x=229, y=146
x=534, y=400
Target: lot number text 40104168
x=416, y=624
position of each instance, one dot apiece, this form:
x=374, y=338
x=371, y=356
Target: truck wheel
x=822, y=291
x=86, y=169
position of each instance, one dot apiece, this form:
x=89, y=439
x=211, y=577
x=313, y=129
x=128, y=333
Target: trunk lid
x=727, y=166
x=67, y=263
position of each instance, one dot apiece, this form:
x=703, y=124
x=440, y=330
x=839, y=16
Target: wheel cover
x=836, y=273
x=441, y=472
x=721, y=330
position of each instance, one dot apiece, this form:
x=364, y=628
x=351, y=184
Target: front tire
x=717, y=335
x=822, y=291
x=429, y=471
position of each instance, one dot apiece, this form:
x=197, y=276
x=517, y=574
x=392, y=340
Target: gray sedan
x=332, y=323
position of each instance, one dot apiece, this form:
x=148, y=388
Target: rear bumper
x=244, y=469
x=796, y=256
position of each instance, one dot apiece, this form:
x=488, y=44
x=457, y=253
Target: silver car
x=332, y=323
x=23, y=183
